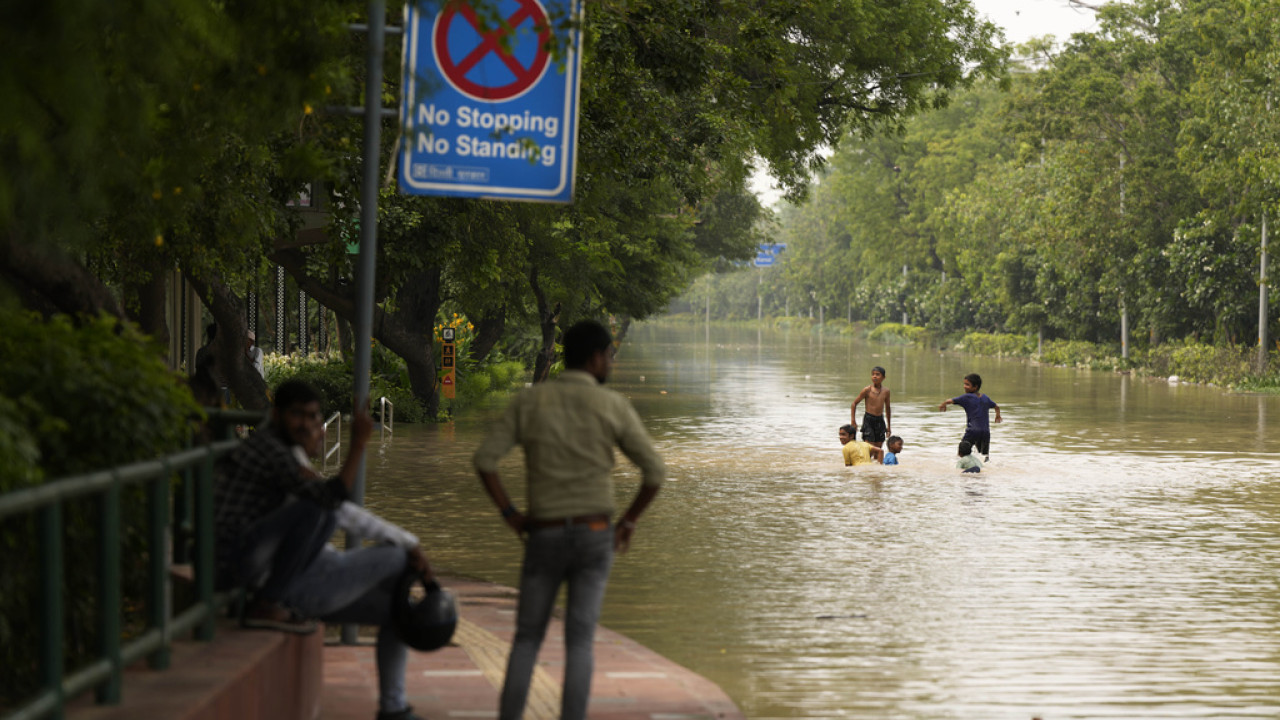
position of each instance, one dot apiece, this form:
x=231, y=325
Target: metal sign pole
x=367, y=263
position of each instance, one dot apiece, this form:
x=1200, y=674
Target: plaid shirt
x=253, y=480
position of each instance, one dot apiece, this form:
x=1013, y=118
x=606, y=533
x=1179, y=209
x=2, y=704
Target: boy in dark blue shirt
x=976, y=405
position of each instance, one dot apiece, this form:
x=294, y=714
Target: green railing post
x=109, y=592
x=204, y=560
x=158, y=595
x=52, y=661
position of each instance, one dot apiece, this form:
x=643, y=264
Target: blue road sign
x=767, y=253
x=489, y=108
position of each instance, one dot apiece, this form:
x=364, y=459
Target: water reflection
x=1119, y=557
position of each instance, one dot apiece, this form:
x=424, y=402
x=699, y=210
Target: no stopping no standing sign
x=490, y=106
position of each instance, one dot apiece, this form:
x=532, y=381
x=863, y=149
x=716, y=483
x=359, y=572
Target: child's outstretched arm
x=997, y=407
x=945, y=403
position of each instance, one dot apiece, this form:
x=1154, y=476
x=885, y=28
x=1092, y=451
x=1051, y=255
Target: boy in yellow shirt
x=857, y=452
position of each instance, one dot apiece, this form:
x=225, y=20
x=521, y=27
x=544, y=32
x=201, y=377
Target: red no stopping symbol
x=479, y=64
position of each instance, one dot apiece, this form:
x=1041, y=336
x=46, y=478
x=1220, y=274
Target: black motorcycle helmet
x=426, y=624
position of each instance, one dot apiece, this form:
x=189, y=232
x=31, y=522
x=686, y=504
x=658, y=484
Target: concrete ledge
x=241, y=675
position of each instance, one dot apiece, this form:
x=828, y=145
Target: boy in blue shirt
x=976, y=405
x=895, y=446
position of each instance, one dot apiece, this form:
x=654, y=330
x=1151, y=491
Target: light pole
x=1262, y=301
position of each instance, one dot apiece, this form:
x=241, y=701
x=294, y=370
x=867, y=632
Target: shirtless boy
x=875, y=421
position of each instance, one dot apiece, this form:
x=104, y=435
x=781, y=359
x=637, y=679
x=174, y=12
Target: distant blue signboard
x=767, y=253
x=489, y=109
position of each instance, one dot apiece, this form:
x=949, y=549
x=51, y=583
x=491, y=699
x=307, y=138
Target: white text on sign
x=433, y=143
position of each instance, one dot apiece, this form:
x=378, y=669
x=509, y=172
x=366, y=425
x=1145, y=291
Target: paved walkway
x=462, y=681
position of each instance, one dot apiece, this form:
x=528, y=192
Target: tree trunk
x=151, y=295
x=488, y=332
x=52, y=282
x=547, y=319
x=623, y=327
x=408, y=332
x=346, y=338
x=234, y=367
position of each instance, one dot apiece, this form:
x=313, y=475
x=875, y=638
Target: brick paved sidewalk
x=462, y=681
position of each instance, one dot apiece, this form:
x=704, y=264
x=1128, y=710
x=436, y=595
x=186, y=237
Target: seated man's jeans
x=582, y=557
x=317, y=581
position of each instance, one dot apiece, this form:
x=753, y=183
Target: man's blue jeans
x=317, y=581
x=582, y=557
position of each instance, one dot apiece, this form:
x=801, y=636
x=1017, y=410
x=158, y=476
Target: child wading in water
x=977, y=430
x=967, y=461
x=894, y=444
x=857, y=452
x=875, y=421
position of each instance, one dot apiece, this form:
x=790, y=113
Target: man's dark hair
x=211, y=331
x=295, y=392
x=966, y=448
x=880, y=370
x=975, y=379
x=850, y=430
x=584, y=339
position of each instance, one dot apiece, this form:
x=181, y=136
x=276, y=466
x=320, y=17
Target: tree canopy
x=173, y=134
x=1123, y=172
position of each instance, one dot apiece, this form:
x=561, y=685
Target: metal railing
x=334, y=419
x=191, y=514
x=387, y=418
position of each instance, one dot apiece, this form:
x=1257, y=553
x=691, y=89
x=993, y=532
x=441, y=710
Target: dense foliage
x=191, y=161
x=1124, y=175
x=75, y=399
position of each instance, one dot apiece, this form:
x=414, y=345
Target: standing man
x=568, y=428
x=254, y=353
x=207, y=356
x=876, y=423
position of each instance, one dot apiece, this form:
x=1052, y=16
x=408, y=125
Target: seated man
x=273, y=520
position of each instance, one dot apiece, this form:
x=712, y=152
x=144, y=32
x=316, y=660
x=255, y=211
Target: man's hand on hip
x=622, y=535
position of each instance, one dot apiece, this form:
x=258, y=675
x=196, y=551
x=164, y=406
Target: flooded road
x=1119, y=558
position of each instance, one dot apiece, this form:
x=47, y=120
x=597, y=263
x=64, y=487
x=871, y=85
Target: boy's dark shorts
x=981, y=441
x=873, y=428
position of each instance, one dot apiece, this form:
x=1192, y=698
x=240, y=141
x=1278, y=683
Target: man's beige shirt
x=568, y=428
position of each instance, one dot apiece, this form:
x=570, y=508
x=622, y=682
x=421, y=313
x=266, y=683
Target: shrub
x=1199, y=363
x=330, y=375
x=1072, y=353
x=334, y=379
x=998, y=344
x=76, y=398
x=480, y=381
x=794, y=322
x=899, y=334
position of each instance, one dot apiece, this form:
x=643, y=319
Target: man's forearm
x=493, y=485
x=643, y=498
